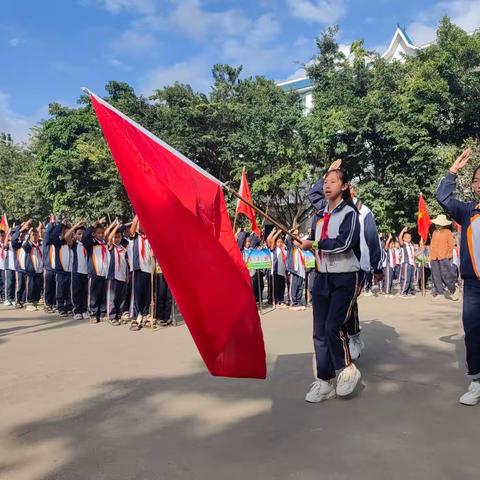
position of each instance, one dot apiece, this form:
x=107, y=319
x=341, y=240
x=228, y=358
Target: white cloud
x=17, y=125
x=145, y=7
x=317, y=11
x=133, y=40
x=464, y=13
x=189, y=16
x=264, y=29
x=421, y=33
x=114, y=62
x=15, y=42
x=195, y=73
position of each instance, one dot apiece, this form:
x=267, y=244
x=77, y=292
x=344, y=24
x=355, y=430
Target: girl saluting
x=336, y=241
x=467, y=214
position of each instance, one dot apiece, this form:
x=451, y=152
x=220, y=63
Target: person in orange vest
x=441, y=255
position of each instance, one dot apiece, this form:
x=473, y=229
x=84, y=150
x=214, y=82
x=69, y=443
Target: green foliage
x=397, y=126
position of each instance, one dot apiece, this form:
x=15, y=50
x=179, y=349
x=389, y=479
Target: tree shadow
x=405, y=424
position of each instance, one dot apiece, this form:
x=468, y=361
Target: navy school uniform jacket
x=48, y=248
x=33, y=257
x=372, y=255
x=63, y=253
x=18, y=252
x=80, y=258
x=466, y=214
x=140, y=260
x=118, y=268
x=97, y=254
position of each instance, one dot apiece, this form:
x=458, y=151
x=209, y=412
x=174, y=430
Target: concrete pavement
x=96, y=402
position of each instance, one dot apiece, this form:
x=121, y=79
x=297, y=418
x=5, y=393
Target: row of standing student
x=413, y=267
x=92, y=273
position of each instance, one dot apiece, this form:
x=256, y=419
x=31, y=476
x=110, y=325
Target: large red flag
x=4, y=223
x=423, y=219
x=242, y=207
x=182, y=210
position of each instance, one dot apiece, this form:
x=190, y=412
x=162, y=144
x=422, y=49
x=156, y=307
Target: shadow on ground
x=405, y=424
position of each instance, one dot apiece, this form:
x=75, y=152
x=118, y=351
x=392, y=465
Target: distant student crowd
x=91, y=272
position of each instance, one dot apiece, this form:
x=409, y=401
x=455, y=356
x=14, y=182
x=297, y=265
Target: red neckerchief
x=118, y=249
x=326, y=221
x=142, y=246
x=39, y=250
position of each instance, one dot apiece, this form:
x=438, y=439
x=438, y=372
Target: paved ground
x=96, y=402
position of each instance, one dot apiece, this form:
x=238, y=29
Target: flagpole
x=193, y=165
x=262, y=213
x=238, y=202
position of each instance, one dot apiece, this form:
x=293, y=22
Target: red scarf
x=142, y=246
x=326, y=221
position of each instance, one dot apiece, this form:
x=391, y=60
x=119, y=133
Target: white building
x=400, y=47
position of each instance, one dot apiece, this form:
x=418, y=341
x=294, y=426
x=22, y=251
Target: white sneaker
x=367, y=294
x=86, y=316
x=78, y=316
x=7, y=302
x=452, y=296
x=356, y=346
x=320, y=390
x=348, y=380
x=472, y=397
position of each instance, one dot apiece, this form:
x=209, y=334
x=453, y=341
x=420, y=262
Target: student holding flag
x=336, y=241
x=467, y=214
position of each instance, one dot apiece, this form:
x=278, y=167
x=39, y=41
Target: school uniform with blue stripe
x=50, y=277
x=79, y=291
x=63, y=269
x=33, y=270
x=335, y=286
x=118, y=274
x=466, y=214
x=296, y=267
x=97, y=266
x=141, y=265
x=19, y=262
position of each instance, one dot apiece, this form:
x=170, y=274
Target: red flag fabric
x=242, y=207
x=4, y=223
x=423, y=219
x=183, y=213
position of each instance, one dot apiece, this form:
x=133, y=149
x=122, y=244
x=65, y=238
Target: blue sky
x=50, y=48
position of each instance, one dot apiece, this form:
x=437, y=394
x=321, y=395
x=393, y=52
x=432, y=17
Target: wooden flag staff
x=263, y=214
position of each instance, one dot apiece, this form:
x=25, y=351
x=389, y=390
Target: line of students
x=91, y=273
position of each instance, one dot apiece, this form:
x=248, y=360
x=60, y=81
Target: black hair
x=475, y=173
x=346, y=196
x=79, y=228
